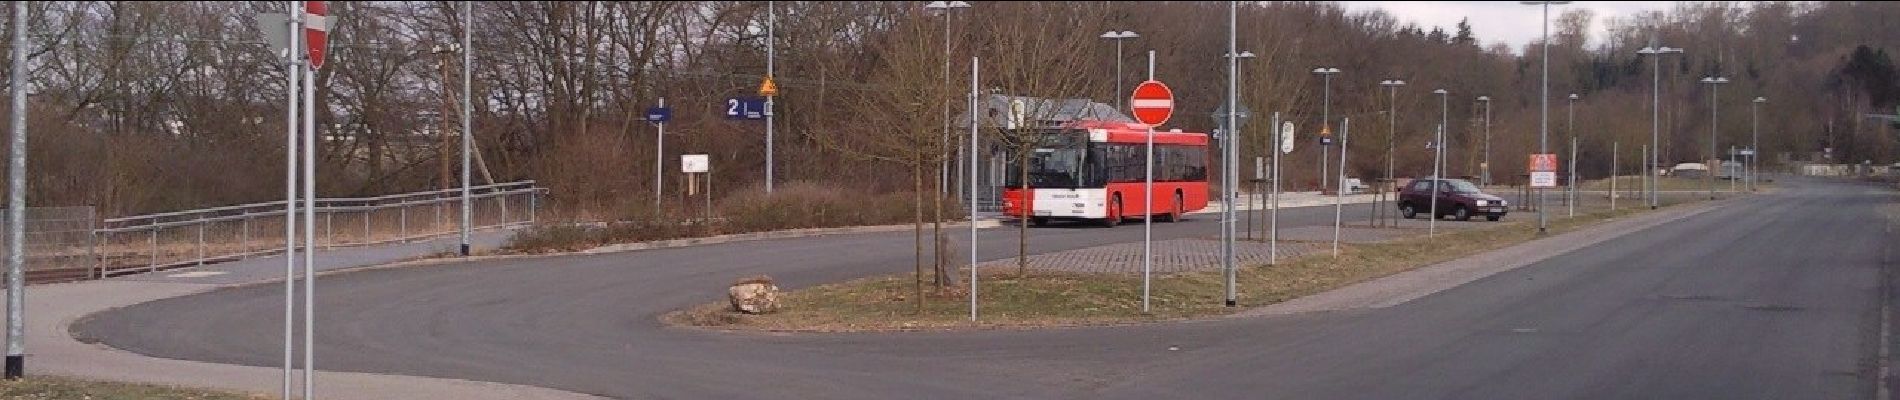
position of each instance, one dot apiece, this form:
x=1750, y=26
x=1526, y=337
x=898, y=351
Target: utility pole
x=1715, y=92
x=771, y=42
x=1325, y=112
x=1652, y=153
x=468, y=135
x=1543, y=126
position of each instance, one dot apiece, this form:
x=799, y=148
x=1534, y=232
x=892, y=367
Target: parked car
x=1457, y=198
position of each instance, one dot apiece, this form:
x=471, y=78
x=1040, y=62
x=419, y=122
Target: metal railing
x=153, y=242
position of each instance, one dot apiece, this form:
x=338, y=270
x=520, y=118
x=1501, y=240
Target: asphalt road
x=1776, y=296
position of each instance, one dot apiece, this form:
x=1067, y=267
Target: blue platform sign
x=659, y=114
x=745, y=108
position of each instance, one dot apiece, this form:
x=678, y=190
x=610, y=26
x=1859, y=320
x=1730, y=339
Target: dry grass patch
x=56, y=388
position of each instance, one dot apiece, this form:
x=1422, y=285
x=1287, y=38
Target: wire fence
x=58, y=242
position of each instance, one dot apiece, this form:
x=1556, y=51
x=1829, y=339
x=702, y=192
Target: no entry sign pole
x=1152, y=104
x=316, y=34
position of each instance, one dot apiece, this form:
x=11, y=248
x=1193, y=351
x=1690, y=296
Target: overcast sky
x=1502, y=21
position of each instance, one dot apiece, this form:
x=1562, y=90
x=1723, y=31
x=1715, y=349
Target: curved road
x=1775, y=296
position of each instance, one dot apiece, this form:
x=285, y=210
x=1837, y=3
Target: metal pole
x=1325, y=120
x=16, y=205
x=1118, y=74
x=402, y=224
x=1649, y=185
x=1571, y=199
x=1732, y=178
x=1391, y=139
x=151, y=262
x=310, y=233
x=659, y=160
x=943, y=166
x=468, y=136
x=1613, y=174
x=1147, y=209
x=1715, y=90
x=1543, y=126
x=1487, y=142
x=1754, y=143
x=1438, y=160
x=1655, y=126
x=201, y=242
x=771, y=41
x=973, y=139
x=1273, y=217
x=1345, y=130
x=1231, y=143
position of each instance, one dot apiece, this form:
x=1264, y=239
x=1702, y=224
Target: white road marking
x=196, y=274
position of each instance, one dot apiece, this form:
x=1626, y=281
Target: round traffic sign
x=1152, y=103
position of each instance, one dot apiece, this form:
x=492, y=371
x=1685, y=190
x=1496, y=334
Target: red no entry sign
x=316, y=31
x=1152, y=103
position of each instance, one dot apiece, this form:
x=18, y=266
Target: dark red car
x=1456, y=197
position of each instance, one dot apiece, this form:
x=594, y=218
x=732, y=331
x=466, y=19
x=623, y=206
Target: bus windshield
x=1056, y=162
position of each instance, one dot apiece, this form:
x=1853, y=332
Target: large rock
x=754, y=295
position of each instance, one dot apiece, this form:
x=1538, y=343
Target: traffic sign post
x=658, y=115
x=1152, y=104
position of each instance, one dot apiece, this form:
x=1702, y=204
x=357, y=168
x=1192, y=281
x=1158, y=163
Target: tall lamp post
x=1325, y=115
x=1570, y=124
x=1392, y=125
x=1118, y=37
x=1715, y=89
x=943, y=166
x=1655, y=52
x=1543, y=125
x=1438, y=156
x=1754, y=144
x=1486, y=177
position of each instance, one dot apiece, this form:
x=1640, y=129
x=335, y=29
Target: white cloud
x=1503, y=21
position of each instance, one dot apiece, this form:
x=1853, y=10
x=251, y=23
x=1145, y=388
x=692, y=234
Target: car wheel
x=1114, y=213
x=1461, y=213
x=1408, y=211
x=1493, y=218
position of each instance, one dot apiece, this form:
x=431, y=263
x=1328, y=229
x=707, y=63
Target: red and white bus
x=1096, y=170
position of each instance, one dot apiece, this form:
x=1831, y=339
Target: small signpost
x=1543, y=171
x=694, y=165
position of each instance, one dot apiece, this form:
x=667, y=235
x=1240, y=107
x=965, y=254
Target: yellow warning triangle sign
x=767, y=88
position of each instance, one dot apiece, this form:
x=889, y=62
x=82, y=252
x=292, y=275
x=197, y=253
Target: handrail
x=280, y=211
x=280, y=204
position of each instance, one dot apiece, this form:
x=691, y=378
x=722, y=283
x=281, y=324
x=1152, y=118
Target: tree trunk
x=945, y=279
x=917, y=229
x=1022, y=230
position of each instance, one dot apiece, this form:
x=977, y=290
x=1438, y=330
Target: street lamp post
x=1570, y=124
x=1486, y=172
x=1325, y=114
x=1715, y=89
x=1754, y=144
x=1118, y=37
x=1543, y=125
x=1655, y=52
x=1438, y=156
x=1392, y=125
x=943, y=166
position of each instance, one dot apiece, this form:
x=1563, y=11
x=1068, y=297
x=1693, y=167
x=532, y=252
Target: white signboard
x=695, y=163
x=1286, y=138
x=1543, y=179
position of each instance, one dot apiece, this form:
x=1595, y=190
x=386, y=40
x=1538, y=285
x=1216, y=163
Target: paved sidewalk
x=55, y=307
